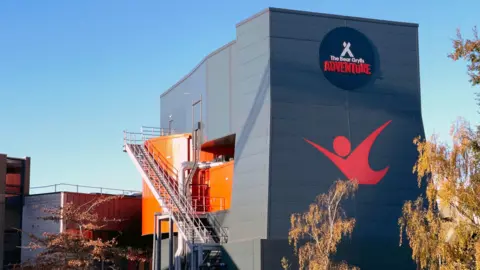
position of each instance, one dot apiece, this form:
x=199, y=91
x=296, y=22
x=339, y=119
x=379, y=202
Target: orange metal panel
x=170, y=151
x=150, y=206
x=220, y=182
x=206, y=156
x=13, y=183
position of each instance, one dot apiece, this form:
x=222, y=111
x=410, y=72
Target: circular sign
x=347, y=58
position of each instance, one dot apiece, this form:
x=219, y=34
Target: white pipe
x=180, y=240
x=205, y=165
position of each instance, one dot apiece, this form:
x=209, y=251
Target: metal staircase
x=166, y=190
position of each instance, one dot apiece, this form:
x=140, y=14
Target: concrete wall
x=306, y=105
x=32, y=210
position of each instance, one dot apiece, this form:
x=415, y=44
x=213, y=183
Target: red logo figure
x=356, y=165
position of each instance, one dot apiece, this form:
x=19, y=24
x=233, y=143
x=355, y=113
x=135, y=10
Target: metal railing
x=203, y=204
x=146, y=133
x=63, y=187
x=184, y=206
x=156, y=131
x=178, y=205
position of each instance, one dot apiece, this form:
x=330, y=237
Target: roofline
x=197, y=66
x=136, y=195
x=352, y=18
x=291, y=11
x=254, y=16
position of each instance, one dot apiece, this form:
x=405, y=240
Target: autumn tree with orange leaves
x=73, y=249
x=323, y=226
x=443, y=226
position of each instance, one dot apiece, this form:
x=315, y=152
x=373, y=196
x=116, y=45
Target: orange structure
x=209, y=187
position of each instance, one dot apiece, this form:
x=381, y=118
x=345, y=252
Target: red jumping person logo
x=356, y=165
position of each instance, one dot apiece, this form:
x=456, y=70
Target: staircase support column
x=157, y=241
x=170, y=243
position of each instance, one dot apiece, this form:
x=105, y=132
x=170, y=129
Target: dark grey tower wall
x=306, y=105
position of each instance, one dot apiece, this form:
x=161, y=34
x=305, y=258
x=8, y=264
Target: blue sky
x=75, y=74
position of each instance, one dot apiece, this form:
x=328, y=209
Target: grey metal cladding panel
x=243, y=255
x=254, y=158
x=251, y=89
x=248, y=210
x=296, y=40
x=178, y=102
x=31, y=224
x=307, y=121
x=253, y=50
x=164, y=243
x=397, y=50
x=243, y=214
x=399, y=101
x=247, y=218
x=257, y=67
x=381, y=254
x=393, y=147
x=250, y=121
x=295, y=65
x=274, y=250
x=247, y=222
x=400, y=37
x=252, y=108
x=301, y=26
x=218, y=94
x=254, y=29
x=296, y=74
x=296, y=165
x=314, y=27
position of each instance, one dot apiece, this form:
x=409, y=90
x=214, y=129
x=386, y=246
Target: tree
x=443, y=229
x=74, y=249
x=469, y=50
x=443, y=226
x=322, y=227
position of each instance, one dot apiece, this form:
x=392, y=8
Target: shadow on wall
x=254, y=112
x=228, y=260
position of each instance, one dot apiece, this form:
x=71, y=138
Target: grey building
x=311, y=98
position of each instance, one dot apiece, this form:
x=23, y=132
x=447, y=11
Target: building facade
x=126, y=210
x=14, y=186
x=310, y=98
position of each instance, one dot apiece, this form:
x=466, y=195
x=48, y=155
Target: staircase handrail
x=184, y=208
x=169, y=166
